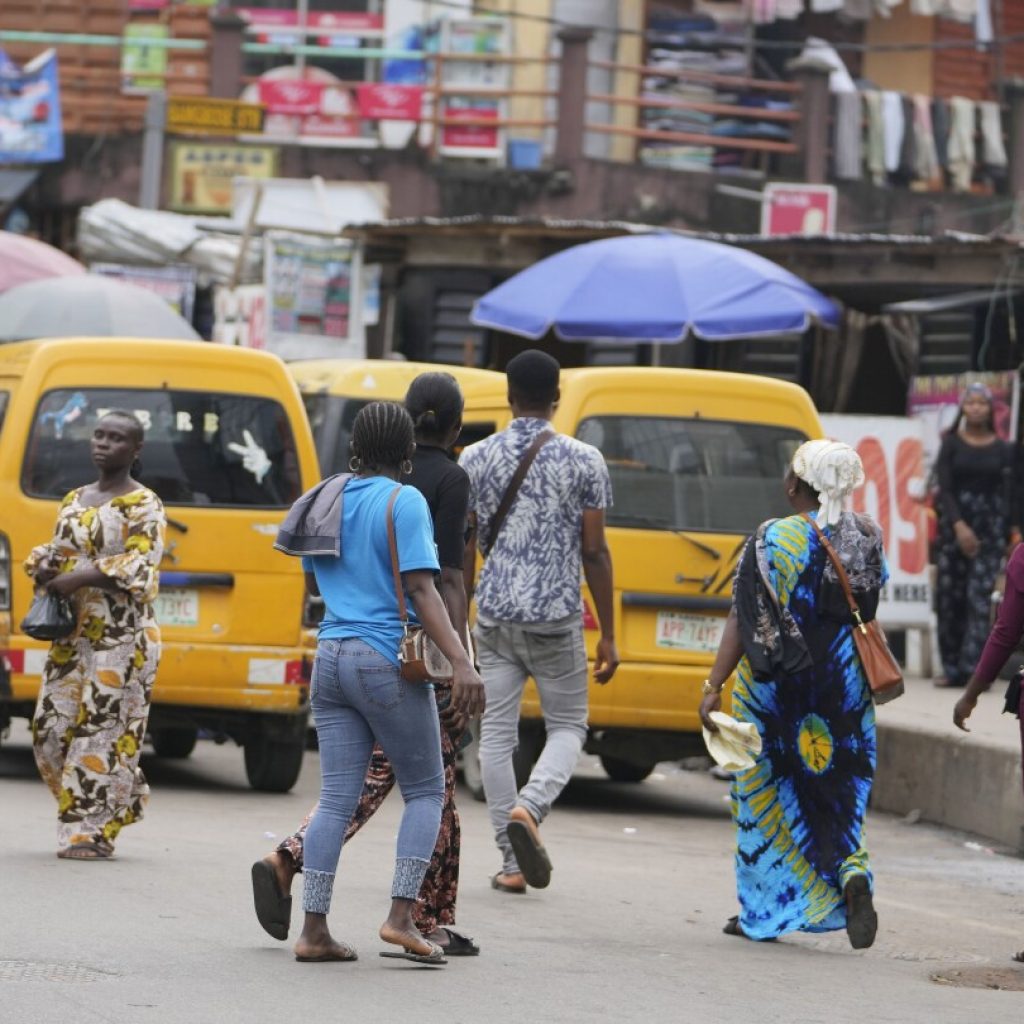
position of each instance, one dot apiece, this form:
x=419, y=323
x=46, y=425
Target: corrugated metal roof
x=418, y=225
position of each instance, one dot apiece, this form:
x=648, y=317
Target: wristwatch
x=708, y=689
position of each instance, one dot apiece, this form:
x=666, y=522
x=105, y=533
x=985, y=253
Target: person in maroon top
x=1002, y=642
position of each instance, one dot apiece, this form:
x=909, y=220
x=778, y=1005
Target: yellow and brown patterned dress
x=91, y=717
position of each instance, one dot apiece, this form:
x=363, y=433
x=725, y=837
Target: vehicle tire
x=528, y=749
x=273, y=765
x=625, y=771
x=176, y=742
x=469, y=759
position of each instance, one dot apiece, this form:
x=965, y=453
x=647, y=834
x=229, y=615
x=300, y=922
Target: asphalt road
x=630, y=929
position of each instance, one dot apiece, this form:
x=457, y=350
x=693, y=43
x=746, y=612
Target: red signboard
x=382, y=102
x=798, y=209
x=266, y=20
x=291, y=96
x=470, y=136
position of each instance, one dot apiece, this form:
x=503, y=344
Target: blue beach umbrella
x=656, y=288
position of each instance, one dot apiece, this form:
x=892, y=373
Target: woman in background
x=978, y=513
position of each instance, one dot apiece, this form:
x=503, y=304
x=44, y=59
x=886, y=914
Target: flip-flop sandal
x=273, y=908
x=518, y=890
x=459, y=944
x=85, y=851
x=329, y=958
x=531, y=856
x=733, y=927
x=861, y=919
x=435, y=958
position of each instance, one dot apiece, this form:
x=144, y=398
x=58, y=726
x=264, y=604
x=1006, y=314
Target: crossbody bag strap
x=505, y=505
x=844, y=580
x=403, y=614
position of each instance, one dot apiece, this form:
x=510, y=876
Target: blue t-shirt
x=358, y=587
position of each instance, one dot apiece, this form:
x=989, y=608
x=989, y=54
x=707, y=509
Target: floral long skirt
x=87, y=734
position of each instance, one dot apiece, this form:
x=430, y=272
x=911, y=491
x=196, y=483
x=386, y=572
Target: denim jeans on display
x=358, y=698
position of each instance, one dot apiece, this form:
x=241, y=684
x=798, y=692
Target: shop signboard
x=207, y=115
x=312, y=288
x=331, y=28
x=379, y=101
x=202, y=173
x=477, y=38
x=892, y=450
x=143, y=67
x=796, y=209
x=31, y=129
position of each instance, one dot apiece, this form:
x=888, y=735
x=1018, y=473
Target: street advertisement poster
x=797, y=209
x=240, y=316
x=382, y=102
x=312, y=287
x=935, y=402
x=202, y=173
x=892, y=450
x=316, y=106
x=31, y=129
x=176, y=285
x=143, y=67
x=476, y=38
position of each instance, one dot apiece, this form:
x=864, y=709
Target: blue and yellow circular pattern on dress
x=814, y=742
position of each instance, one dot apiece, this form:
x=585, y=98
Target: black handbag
x=49, y=618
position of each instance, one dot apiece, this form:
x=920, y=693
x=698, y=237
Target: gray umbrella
x=88, y=306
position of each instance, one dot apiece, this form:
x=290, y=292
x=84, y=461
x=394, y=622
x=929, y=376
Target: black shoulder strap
x=505, y=506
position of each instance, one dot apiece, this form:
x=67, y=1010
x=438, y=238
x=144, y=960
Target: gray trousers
x=554, y=655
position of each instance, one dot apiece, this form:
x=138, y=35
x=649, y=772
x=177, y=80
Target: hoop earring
x=355, y=464
x=406, y=467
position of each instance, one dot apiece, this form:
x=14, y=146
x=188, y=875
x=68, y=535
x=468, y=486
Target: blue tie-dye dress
x=800, y=811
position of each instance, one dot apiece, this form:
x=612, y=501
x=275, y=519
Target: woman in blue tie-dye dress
x=799, y=812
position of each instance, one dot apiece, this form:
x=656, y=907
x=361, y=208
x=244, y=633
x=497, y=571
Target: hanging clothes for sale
x=908, y=149
x=893, y=128
x=847, y=147
x=983, y=28
x=926, y=164
x=875, y=136
x=940, y=130
x=992, y=148
x=961, y=142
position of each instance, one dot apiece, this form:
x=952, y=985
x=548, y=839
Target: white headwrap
x=834, y=470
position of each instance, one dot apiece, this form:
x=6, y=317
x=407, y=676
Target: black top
x=978, y=469
x=445, y=485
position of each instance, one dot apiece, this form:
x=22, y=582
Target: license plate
x=177, y=607
x=678, y=631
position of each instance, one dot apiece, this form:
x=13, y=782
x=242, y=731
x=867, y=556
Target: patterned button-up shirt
x=533, y=572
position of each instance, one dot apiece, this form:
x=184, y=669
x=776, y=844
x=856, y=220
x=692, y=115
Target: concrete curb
x=966, y=785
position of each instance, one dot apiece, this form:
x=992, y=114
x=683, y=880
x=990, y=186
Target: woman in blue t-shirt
x=358, y=695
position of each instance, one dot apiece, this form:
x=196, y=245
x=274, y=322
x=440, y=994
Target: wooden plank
x=726, y=109
x=734, y=81
x=693, y=139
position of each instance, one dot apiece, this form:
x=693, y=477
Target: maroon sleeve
x=1006, y=634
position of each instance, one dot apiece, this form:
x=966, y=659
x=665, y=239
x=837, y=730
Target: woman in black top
x=435, y=402
x=977, y=515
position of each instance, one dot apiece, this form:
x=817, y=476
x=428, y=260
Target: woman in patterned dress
x=90, y=720
x=799, y=811
x=978, y=514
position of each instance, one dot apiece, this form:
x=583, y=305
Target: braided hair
x=434, y=401
x=382, y=436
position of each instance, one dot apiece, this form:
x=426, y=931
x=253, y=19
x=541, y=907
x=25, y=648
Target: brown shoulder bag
x=420, y=659
x=882, y=670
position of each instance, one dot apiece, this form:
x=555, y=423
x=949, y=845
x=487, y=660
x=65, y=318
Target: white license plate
x=679, y=631
x=177, y=607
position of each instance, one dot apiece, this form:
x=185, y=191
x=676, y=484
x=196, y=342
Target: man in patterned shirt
x=529, y=608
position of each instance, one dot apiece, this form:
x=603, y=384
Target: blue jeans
x=359, y=698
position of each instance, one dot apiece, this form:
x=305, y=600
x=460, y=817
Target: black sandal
x=861, y=919
x=273, y=907
x=732, y=927
x=459, y=944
